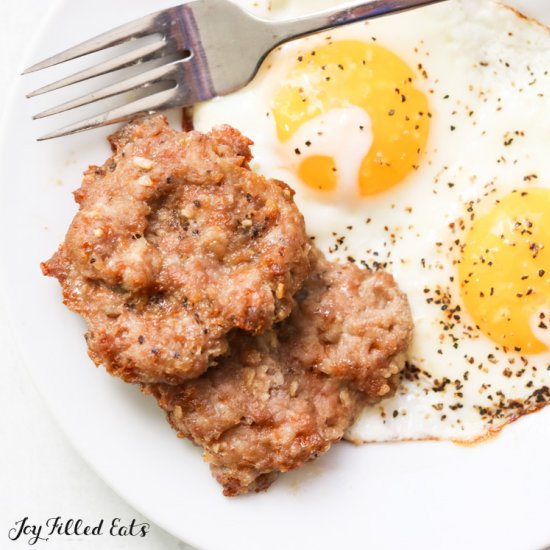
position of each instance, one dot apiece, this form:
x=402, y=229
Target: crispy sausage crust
x=175, y=244
x=283, y=398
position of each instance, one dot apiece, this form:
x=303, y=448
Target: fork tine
x=124, y=33
x=145, y=53
x=140, y=81
x=144, y=106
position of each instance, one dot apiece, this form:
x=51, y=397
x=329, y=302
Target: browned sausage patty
x=282, y=398
x=175, y=244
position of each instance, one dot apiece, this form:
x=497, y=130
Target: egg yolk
x=505, y=270
x=320, y=172
x=365, y=75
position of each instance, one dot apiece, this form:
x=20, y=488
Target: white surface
x=494, y=492
x=41, y=475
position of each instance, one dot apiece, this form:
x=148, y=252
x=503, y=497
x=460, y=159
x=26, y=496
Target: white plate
x=392, y=496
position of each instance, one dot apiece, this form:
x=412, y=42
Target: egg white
x=486, y=78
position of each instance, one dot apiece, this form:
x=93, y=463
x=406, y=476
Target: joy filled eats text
x=25, y=529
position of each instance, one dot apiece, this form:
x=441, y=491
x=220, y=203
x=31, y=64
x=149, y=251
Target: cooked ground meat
x=175, y=244
x=352, y=325
x=281, y=399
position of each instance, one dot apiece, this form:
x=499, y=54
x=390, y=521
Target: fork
x=210, y=48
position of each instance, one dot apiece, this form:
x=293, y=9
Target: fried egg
x=418, y=143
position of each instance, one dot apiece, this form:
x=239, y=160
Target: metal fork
x=212, y=48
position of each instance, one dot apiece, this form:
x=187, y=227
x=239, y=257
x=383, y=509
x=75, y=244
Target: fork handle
x=288, y=30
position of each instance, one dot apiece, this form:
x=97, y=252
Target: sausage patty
x=176, y=243
x=281, y=399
